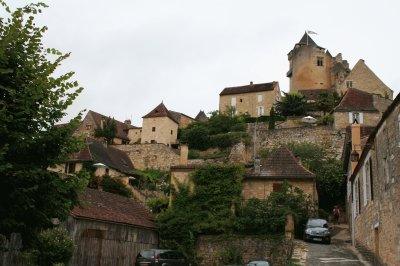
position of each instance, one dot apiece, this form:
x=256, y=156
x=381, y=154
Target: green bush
x=156, y=205
x=53, y=246
x=226, y=140
x=326, y=120
x=115, y=186
x=231, y=255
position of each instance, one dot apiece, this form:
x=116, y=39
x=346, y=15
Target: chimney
x=251, y=83
x=184, y=154
x=128, y=121
x=356, y=145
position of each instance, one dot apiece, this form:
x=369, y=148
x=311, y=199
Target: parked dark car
x=317, y=230
x=161, y=257
x=262, y=262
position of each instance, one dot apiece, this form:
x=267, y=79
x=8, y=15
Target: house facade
x=254, y=99
x=269, y=174
x=373, y=190
x=160, y=126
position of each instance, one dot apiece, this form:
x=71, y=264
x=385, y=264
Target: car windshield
x=316, y=223
x=258, y=263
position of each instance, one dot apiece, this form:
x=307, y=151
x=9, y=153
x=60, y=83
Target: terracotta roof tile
x=104, y=206
x=356, y=100
x=161, y=111
x=282, y=164
x=249, y=88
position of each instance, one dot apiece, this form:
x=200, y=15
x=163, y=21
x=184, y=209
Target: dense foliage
x=208, y=209
x=32, y=100
x=292, y=104
x=221, y=130
x=116, y=186
x=269, y=216
x=326, y=101
x=151, y=179
x=331, y=184
x=107, y=131
x=53, y=246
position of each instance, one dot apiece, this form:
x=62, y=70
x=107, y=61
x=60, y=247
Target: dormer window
x=349, y=84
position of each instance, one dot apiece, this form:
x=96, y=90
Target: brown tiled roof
x=177, y=116
x=312, y=94
x=201, y=117
x=122, y=128
x=97, y=152
x=249, y=88
x=161, y=111
x=282, y=164
x=356, y=100
x=108, y=207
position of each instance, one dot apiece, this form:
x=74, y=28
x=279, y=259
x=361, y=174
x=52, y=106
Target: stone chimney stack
x=355, y=143
x=184, y=154
x=128, y=121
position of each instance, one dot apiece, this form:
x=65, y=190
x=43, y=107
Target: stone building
x=373, y=189
x=312, y=67
x=254, y=99
x=359, y=105
x=126, y=133
x=160, y=126
x=269, y=174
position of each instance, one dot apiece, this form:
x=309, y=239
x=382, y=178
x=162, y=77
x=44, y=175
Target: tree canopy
x=292, y=104
x=32, y=101
x=108, y=130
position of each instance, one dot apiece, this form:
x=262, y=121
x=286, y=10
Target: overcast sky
x=130, y=55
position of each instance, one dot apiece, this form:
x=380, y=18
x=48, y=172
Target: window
x=153, y=141
x=172, y=132
x=233, y=101
x=70, y=168
x=259, y=98
x=320, y=61
x=153, y=129
x=349, y=84
x=88, y=126
x=356, y=199
x=353, y=116
x=241, y=100
x=260, y=110
x=107, y=171
x=276, y=187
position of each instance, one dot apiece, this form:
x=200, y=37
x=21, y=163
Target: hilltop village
x=145, y=181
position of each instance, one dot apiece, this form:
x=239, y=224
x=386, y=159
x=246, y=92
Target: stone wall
x=156, y=155
x=370, y=119
x=270, y=139
x=165, y=130
x=209, y=249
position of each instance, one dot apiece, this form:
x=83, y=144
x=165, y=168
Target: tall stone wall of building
x=269, y=139
x=157, y=155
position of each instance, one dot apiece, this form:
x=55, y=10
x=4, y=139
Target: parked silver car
x=317, y=230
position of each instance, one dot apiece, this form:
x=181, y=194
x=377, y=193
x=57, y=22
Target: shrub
x=325, y=120
x=53, y=246
x=156, y=205
x=115, y=186
x=231, y=255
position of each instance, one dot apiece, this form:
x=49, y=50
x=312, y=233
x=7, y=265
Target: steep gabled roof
x=306, y=39
x=161, y=111
x=122, y=128
x=282, y=164
x=97, y=152
x=108, y=207
x=177, y=116
x=249, y=88
x=356, y=100
x=201, y=117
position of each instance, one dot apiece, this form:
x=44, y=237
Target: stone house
x=269, y=174
x=106, y=159
x=373, y=185
x=109, y=229
x=359, y=105
x=254, y=99
x=126, y=133
x=160, y=126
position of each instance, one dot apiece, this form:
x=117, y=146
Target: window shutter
x=361, y=118
x=350, y=117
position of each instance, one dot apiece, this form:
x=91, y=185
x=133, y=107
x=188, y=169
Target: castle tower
x=309, y=66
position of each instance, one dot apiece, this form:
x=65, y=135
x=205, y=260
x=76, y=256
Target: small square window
x=153, y=129
x=349, y=84
x=259, y=98
x=172, y=132
x=320, y=61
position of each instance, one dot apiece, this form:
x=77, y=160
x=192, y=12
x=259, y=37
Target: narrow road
x=339, y=252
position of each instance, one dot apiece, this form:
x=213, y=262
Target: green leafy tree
x=32, y=101
x=115, y=186
x=108, y=130
x=272, y=118
x=292, y=104
x=327, y=101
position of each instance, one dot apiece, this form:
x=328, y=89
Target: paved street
x=340, y=252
